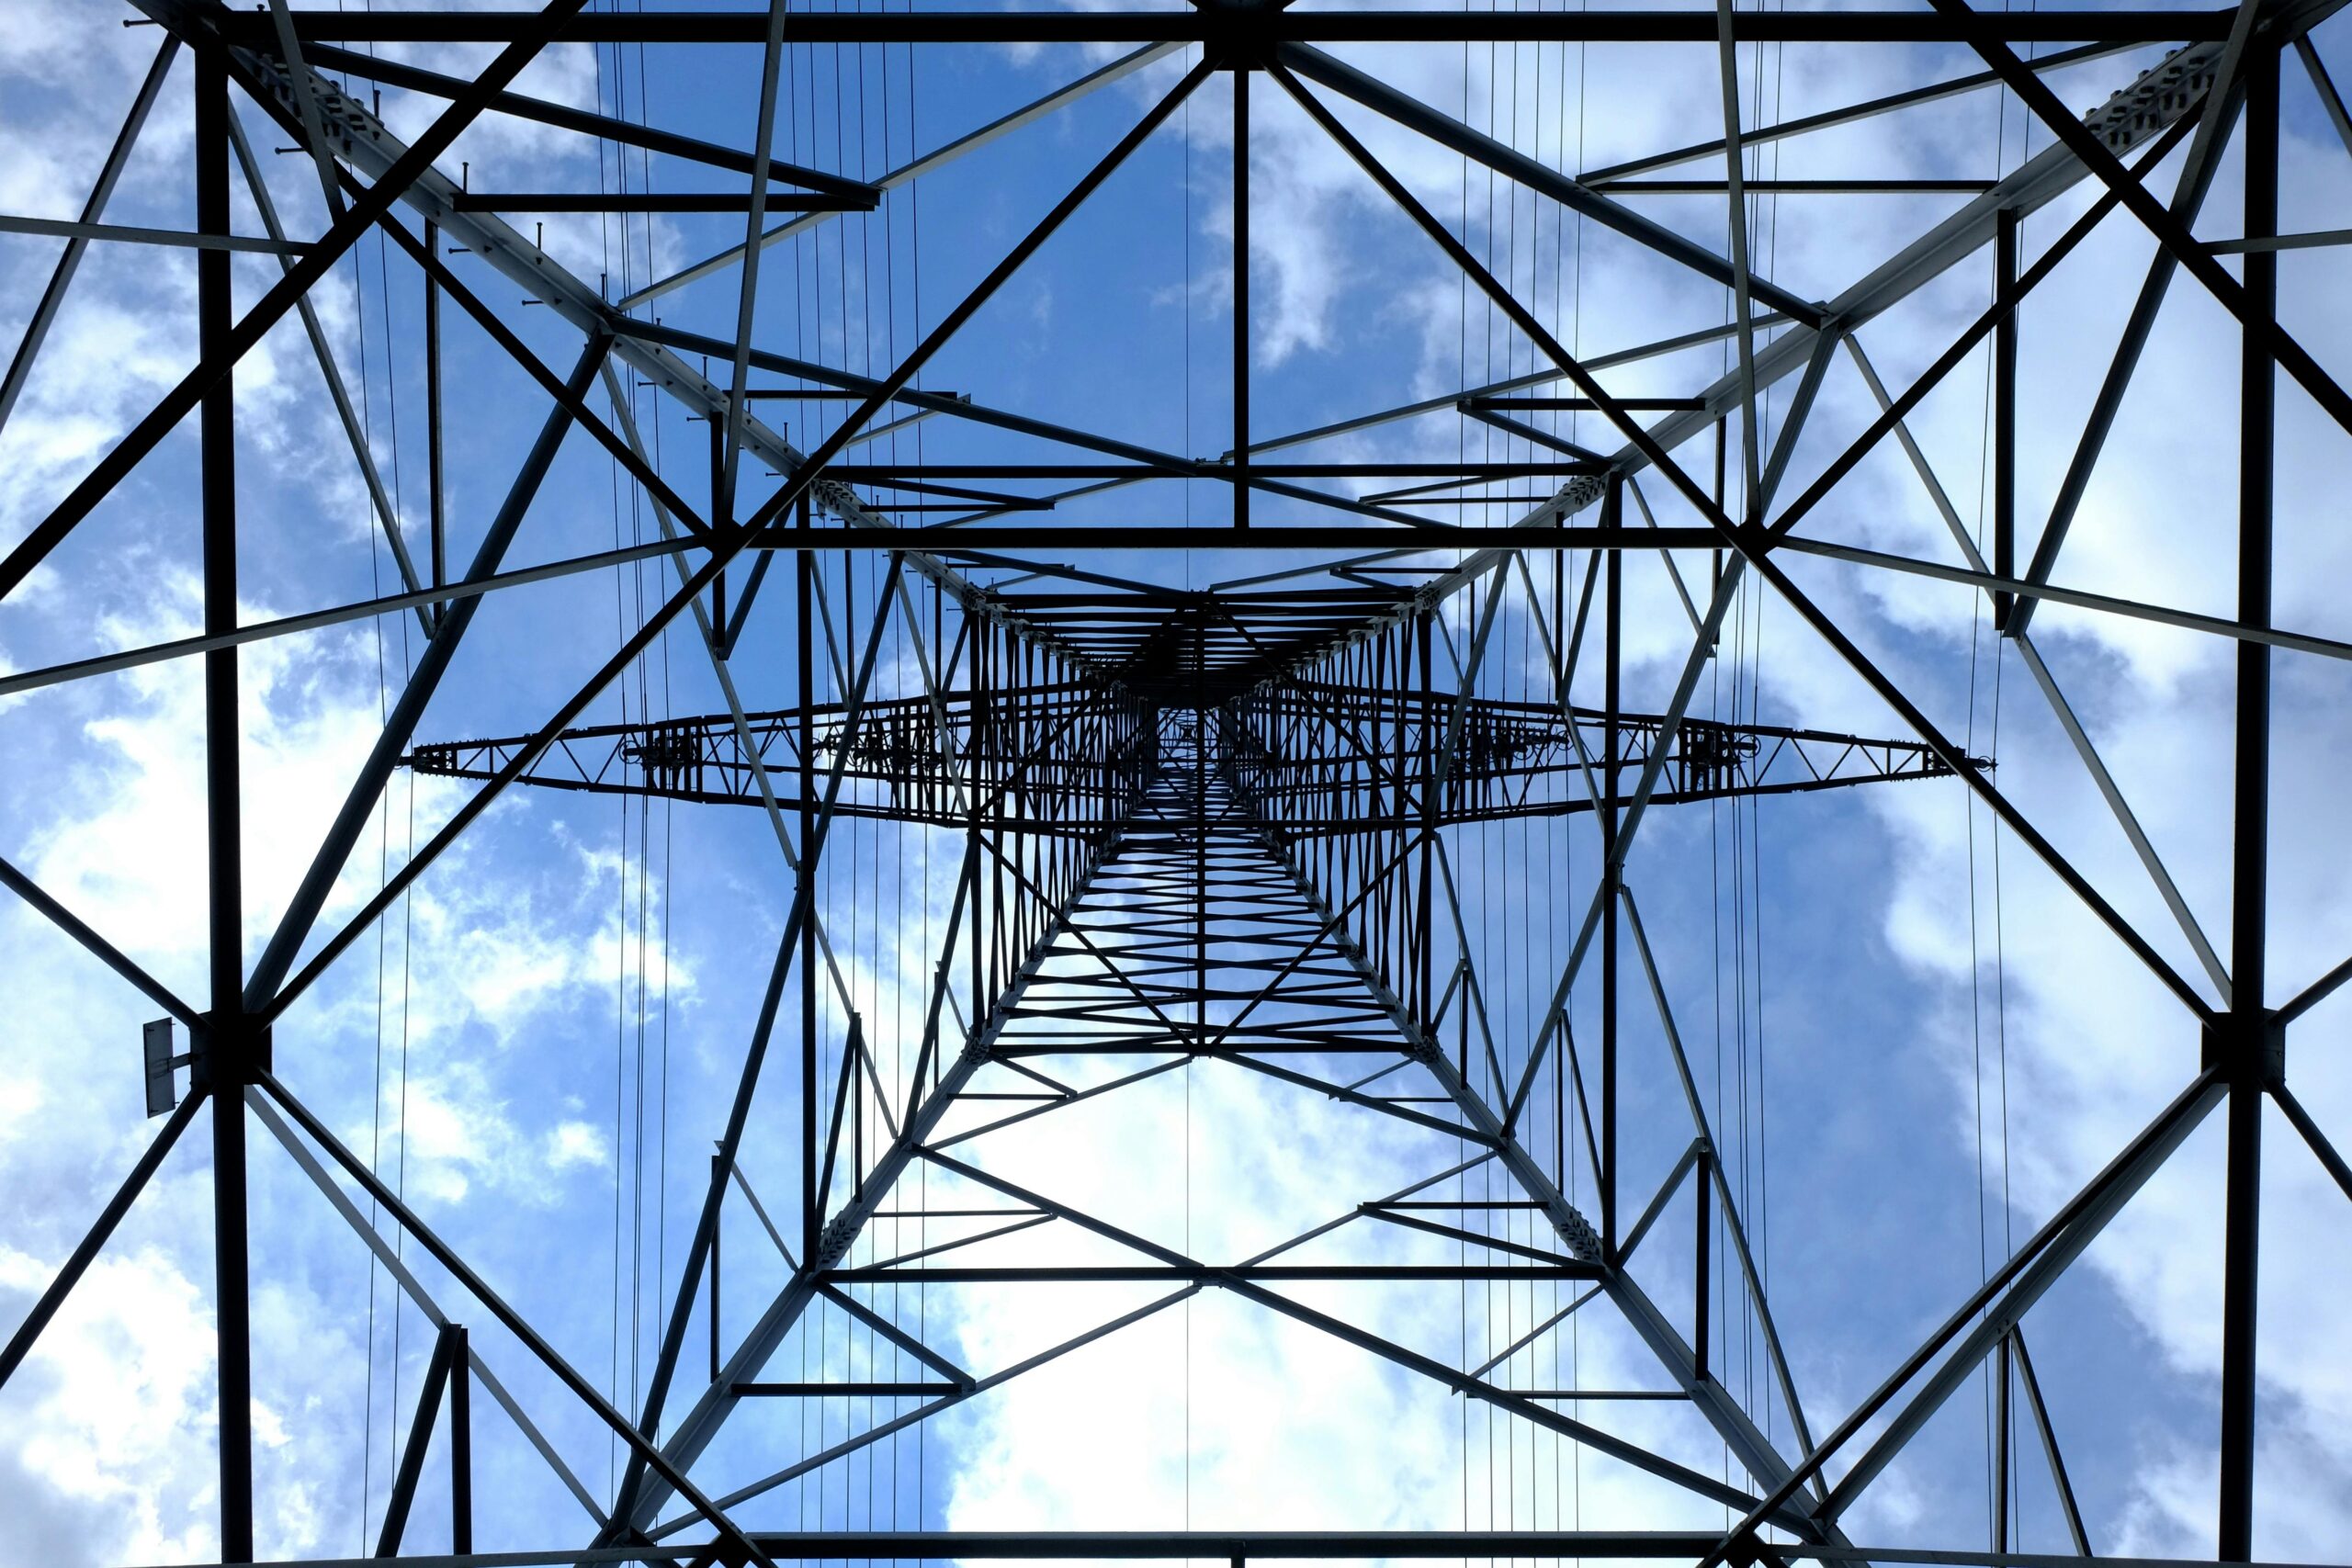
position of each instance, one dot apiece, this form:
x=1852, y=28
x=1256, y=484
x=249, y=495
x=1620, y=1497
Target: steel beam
x=1648, y=1322
x=799, y=933
x=1230, y=23
x=240, y=337
x=114, y=958
x=360, y=802
x=1269, y=1546
x=227, y=1050
x=118, y=233
x=2049, y=1435
x=355, y=432
x=2160, y=220
x=606, y=128
x=20, y=364
x=831, y=1237
x=2246, y=1046
x=86, y=1251
x=1976, y=576
x=1240, y=449
x=1850, y=114
x=2033, y=185
x=396, y=1265
x=2189, y=195
x=2070, y=1229
x=1451, y=133
x=420, y=1437
x=514, y=1322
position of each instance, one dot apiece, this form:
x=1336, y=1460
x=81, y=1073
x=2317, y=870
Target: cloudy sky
x=1914, y=1040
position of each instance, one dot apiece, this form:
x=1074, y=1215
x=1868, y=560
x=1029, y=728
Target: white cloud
x=124, y=1388
x=487, y=961
x=574, y=1143
x=111, y=1457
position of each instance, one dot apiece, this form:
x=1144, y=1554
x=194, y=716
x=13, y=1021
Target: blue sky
x=541, y=1044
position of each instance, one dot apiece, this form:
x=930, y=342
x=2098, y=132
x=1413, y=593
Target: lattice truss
x=1292, y=828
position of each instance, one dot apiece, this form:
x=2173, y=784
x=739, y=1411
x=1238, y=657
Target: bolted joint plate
x=1579, y=493
x=1583, y=1241
x=341, y=117
x=1420, y=1047
x=2156, y=98
x=833, y=1243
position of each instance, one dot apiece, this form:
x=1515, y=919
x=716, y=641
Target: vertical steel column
x=1715, y=556
x=1427, y=774
x=998, y=644
x=461, y=1441
x=2004, y=412
x=1425, y=1003
x=223, y=1061
x=433, y=454
x=1240, y=294
x=2246, y=1036
x=718, y=1180
x=20, y=366
x=811, y=1201
x=975, y=749
x=2001, y=1444
x=1613, y=741
x=1702, y=1173
x=1201, y=833
x=722, y=506
x=419, y=1437
x=1559, y=662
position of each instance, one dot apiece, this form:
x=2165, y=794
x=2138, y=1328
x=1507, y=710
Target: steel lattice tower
x=1186, y=825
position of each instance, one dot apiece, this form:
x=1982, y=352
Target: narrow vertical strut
x=435, y=477
x=804, y=892
x=224, y=1053
x=1242, y=70
x=1612, y=676
x=2004, y=412
x=2250, y=1046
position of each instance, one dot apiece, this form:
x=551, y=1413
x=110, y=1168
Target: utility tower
x=1170, y=826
